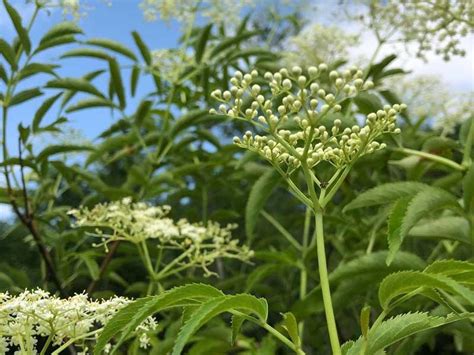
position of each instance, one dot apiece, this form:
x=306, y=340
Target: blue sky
x=113, y=22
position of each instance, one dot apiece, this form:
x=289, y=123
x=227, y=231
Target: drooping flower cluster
x=219, y=11
x=317, y=44
x=200, y=243
x=37, y=314
x=436, y=25
x=293, y=115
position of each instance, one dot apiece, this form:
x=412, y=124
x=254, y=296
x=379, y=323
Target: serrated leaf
x=425, y=202
x=448, y=227
x=385, y=193
x=116, y=81
x=74, y=84
x=244, y=303
x=113, y=46
x=25, y=95
x=20, y=30
x=291, y=326
x=202, y=41
x=142, y=47
x=416, y=282
x=395, y=220
x=86, y=52
x=42, y=110
x=92, y=102
x=397, y=328
x=259, y=194
x=128, y=318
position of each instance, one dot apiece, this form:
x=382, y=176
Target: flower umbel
x=294, y=111
x=36, y=313
x=200, y=244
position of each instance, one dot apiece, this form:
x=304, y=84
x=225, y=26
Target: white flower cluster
x=138, y=222
x=170, y=63
x=317, y=44
x=219, y=11
x=293, y=115
x=435, y=25
x=35, y=314
x=432, y=100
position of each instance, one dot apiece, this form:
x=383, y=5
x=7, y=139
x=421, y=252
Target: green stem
x=46, y=345
x=282, y=230
x=73, y=340
x=325, y=289
x=432, y=157
x=466, y=159
x=271, y=330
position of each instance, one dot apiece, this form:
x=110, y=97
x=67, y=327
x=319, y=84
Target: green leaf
x=20, y=30
x=116, y=80
x=128, y=318
x=43, y=109
x=448, y=227
x=417, y=282
x=7, y=52
x=385, y=193
x=364, y=320
x=92, y=102
x=91, y=265
x=54, y=42
x=368, y=103
x=460, y=271
x=25, y=95
x=395, y=220
x=468, y=190
x=237, y=322
x=63, y=29
x=144, y=51
x=113, y=46
x=74, y=84
x=231, y=41
x=142, y=112
x=86, y=52
x=3, y=74
x=59, y=149
x=191, y=118
x=376, y=69
x=244, y=303
x=259, y=194
x=202, y=41
x=37, y=68
x=397, y=328
x=135, y=75
x=291, y=326
x=425, y=202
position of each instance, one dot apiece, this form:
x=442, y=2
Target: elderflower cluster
x=436, y=25
x=293, y=115
x=35, y=314
x=432, y=100
x=170, y=63
x=219, y=11
x=138, y=222
x=317, y=44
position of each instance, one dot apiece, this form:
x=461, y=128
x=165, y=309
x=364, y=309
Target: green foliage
x=398, y=226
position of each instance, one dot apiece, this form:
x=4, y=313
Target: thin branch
x=103, y=267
